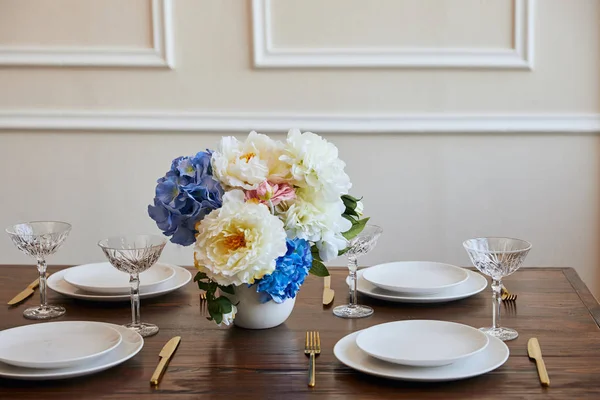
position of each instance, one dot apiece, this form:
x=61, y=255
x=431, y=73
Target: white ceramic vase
x=252, y=314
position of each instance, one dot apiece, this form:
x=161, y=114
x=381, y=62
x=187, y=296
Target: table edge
x=586, y=297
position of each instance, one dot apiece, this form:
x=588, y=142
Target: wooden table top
x=553, y=305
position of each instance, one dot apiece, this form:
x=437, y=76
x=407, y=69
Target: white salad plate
x=415, y=277
x=103, y=278
x=493, y=356
x=474, y=284
x=57, y=283
x=130, y=345
x=421, y=343
x=56, y=344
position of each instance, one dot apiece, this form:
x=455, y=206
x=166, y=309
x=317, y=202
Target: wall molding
x=171, y=121
x=520, y=56
x=160, y=55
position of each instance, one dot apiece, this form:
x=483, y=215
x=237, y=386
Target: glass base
x=504, y=334
x=44, y=312
x=350, y=311
x=143, y=329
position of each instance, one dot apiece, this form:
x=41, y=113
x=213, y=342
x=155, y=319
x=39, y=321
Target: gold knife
x=165, y=355
x=25, y=293
x=328, y=293
x=535, y=352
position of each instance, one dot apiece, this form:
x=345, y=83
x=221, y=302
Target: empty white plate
x=415, y=277
x=493, y=356
x=421, y=343
x=57, y=344
x=131, y=344
x=473, y=285
x=106, y=279
x=57, y=283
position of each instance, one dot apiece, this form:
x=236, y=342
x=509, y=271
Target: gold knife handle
x=541, y=367
x=159, y=371
x=311, y=370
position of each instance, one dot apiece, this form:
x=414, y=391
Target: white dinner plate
x=421, y=343
x=473, y=285
x=56, y=344
x=57, y=283
x=130, y=345
x=415, y=277
x=103, y=278
x=493, y=356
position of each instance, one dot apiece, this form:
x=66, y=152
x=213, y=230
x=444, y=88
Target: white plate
x=415, y=277
x=57, y=283
x=473, y=285
x=56, y=344
x=131, y=344
x=105, y=279
x=421, y=343
x=493, y=356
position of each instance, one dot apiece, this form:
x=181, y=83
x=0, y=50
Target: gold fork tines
x=312, y=348
x=507, y=296
x=203, y=305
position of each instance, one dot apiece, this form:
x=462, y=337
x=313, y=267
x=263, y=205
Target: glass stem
x=41, y=266
x=353, y=266
x=497, y=296
x=134, y=281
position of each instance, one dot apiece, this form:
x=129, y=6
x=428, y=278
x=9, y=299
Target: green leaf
x=350, y=203
x=350, y=212
x=199, y=276
x=342, y=252
x=356, y=229
x=203, y=286
x=224, y=303
x=227, y=289
x=215, y=311
x=318, y=268
x=314, y=251
x=351, y=198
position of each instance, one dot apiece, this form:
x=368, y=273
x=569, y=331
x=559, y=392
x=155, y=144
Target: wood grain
x=212, y=362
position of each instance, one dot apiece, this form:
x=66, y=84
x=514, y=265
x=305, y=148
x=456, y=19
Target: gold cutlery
x=165, y=356
x=328, y=293
x=203, y=305
x=507, y=296
x=25, y=293
x=535, y=352
x=312, y=348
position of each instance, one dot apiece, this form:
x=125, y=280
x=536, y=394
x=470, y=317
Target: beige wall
x=332, y=66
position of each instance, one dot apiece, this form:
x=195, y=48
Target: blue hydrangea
x=289, y=274
x=184, y=196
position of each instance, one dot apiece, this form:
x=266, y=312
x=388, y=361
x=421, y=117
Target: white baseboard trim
x=20, y=120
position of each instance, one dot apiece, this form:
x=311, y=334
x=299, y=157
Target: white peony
x=359, y=208
x=239, y=242
x=311, y=217
x=314, y=163
x=247, y=164
x=229, y=317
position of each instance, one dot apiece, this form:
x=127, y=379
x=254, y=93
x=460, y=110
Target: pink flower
x=273, y=192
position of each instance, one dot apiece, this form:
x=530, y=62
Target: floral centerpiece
x=260, y=213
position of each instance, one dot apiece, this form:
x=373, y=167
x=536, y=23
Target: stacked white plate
x=419, y=282
x=421, y=350
x=103, y=282
x=59, y=350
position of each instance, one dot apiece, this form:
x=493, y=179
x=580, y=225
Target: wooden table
x=553, y=305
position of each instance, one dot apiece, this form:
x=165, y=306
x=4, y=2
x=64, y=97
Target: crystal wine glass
x=497, y=257
x=39, y=239
x=360, y=245
x=133, y=255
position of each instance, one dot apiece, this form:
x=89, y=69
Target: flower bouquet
x=261, y=214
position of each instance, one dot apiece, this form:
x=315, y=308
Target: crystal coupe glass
x=133, y=255
x=497, y=257
x=39, y=239
x=360, y=245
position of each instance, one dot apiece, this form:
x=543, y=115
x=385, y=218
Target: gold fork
x=312, y=348
x=203, y=305
x=507, y=296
